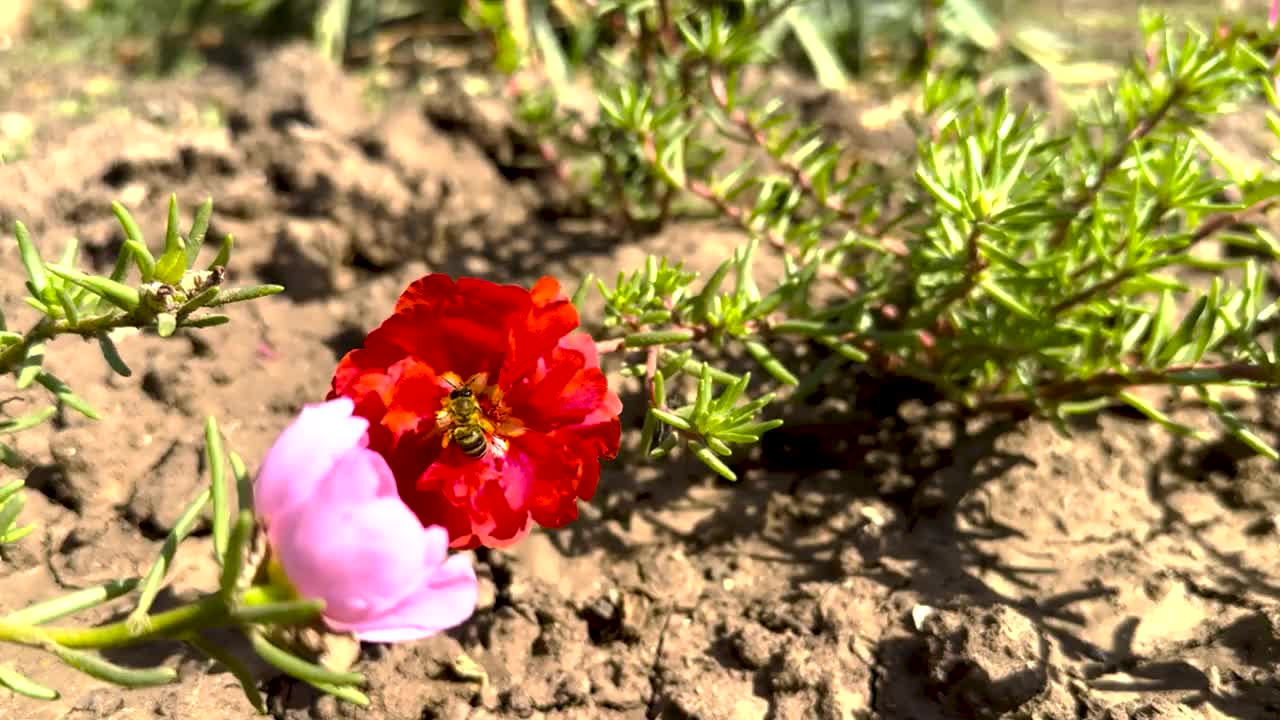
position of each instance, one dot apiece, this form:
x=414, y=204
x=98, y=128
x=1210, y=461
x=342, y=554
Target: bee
x=462, y=421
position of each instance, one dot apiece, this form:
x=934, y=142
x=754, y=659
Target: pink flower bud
x=341, y=533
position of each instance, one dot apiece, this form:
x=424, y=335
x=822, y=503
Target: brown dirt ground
x=889, y=566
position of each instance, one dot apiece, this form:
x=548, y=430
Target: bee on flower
x=491, y=411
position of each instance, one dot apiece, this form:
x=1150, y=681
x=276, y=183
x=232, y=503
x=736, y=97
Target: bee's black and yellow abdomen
x=471, y=441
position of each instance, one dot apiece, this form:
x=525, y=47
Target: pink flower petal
x=445, y=600
x=303, y=454
x=359, y=552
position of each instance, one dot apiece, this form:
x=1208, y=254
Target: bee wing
x=478, y=382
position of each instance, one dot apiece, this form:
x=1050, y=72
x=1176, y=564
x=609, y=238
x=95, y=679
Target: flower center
x=473, y=416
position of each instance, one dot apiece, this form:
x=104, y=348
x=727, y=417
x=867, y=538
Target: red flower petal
x=557, y=416
x=556, y=468
x=380, y=389
x=467, y=296
x=550, y=318
x=480, y=502
x=564, y=394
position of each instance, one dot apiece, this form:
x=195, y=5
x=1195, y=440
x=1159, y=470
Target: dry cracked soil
x=889, y=566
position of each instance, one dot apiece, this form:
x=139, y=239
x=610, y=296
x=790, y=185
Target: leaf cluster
x=162, y=290
x=262, y=611
x=169, y=292
x=1025, y=264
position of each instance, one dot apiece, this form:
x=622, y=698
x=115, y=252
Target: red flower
x=488, y=410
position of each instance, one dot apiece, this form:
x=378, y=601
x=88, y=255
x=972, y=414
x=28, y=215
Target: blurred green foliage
x=835, y=39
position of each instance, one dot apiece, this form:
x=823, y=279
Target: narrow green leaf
x=38, y=305
x=31, y=260
x=671, y=159
x=672, y=419
x=807, y=328
x=844, y=349
x=233, y=560
x=1134, y=334
x=112, y=355
x=996, y=253
x=673, y=363
x=128, y=224
x=1185, y=333
x=9, y=426
x=10, y=510
x=711, y=460
x=767, y=304
x=702, y=402
x=747, y=410
x=11, y=488
x=744, y=280
x=121, y=268
x=808, y=25
x=224, y=252
x=205, y=321
x=659, y=389
x=235, y=295
x=139, y=620
x=244, y=481
x=170, y=267
x=1225, y=159
x=199, y=228
x=1159, y=417
x=172, y=233
x=218, y=654
x=215, y=457
x=69, y=309
x=647, y=432
x=657, y=337
x=166, y=324
x=72, y=603
x=1008, y=301
x=604, y=291
x=770, y=363
x=120, y=295
x=580, y=295
x=342, y=692
x=737, y=438
x=197, y=301
x=98, y=667
x=700, y=304
x=654, y=317
x=32, y=364
x=142, y=258
x=295, y=666
x=940, y=193
x=730, y=396
x=1236, y=427
x=13, y=536
x=1252, y=440
x=23, y=685
x=692, y=367
x=63, y=392
x=758, y=428
x=1163, y=325
x=10, y=458
x=717, y=446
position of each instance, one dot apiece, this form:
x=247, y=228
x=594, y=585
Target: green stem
x=14, y=353
x=208, y=612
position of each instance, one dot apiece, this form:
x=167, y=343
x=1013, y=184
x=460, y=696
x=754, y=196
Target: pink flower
x=342, y=534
